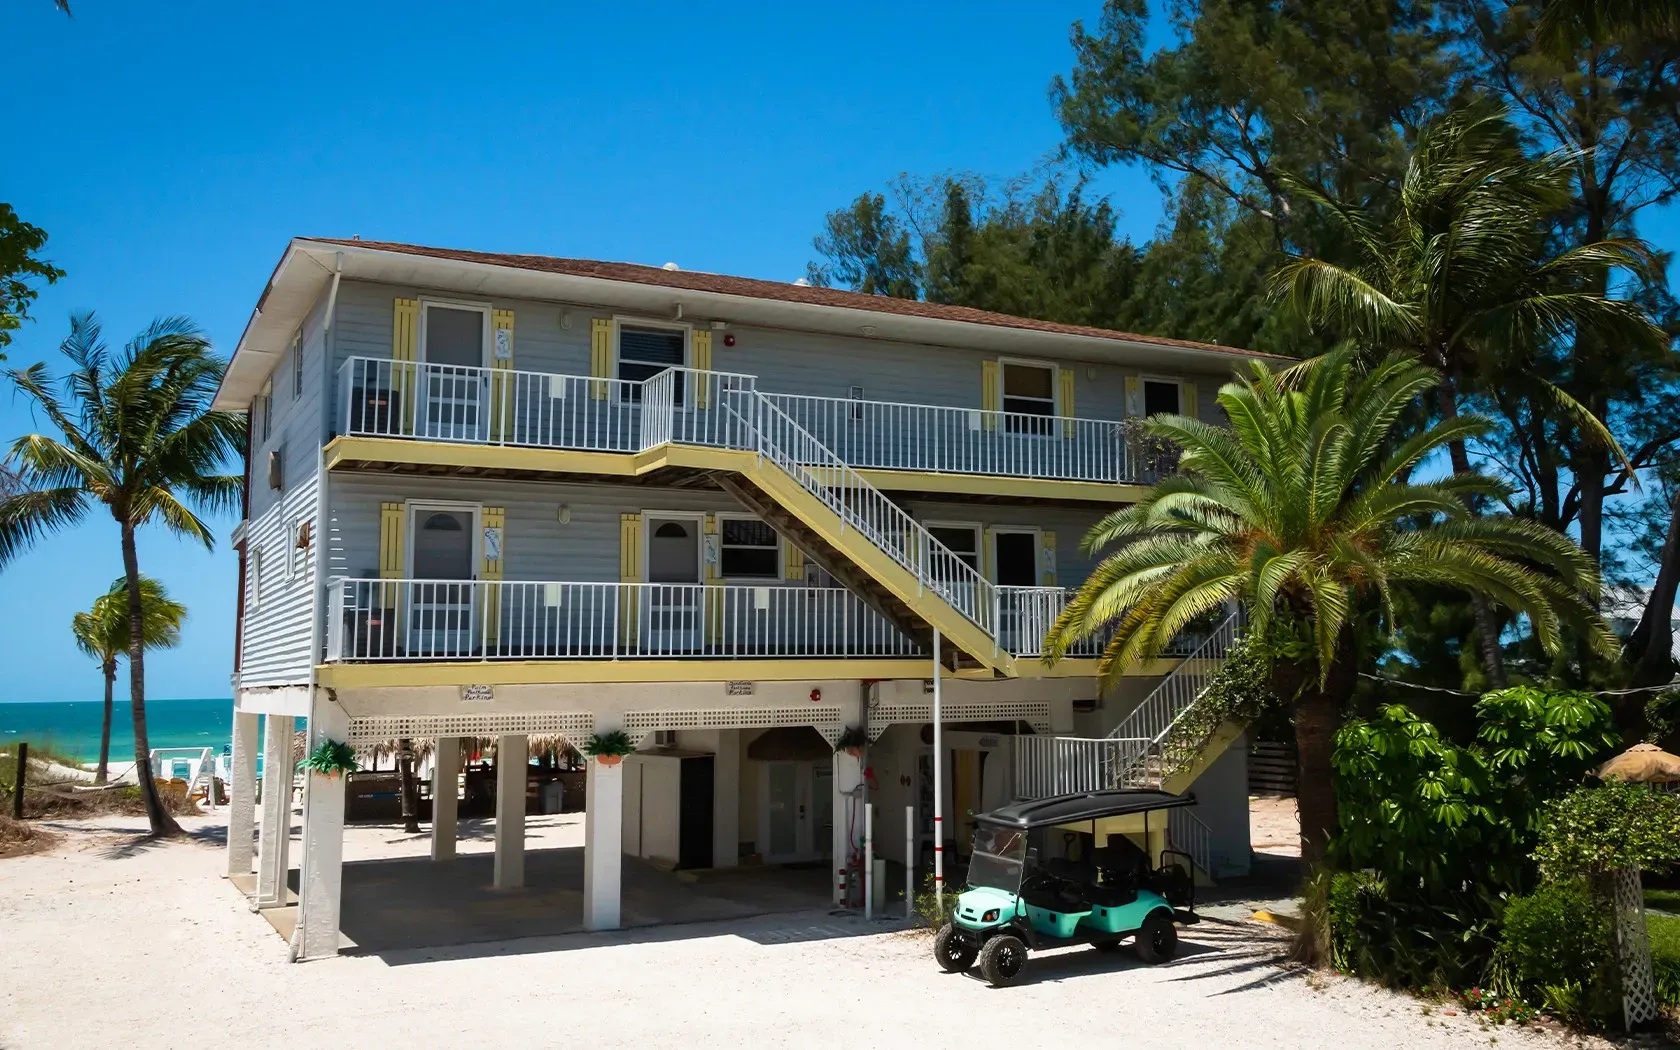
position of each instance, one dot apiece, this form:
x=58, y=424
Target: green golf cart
x=1038, y=879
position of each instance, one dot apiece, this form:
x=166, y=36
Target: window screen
x=964, y=541
x=1159, y=397
x=748, y=550
x=297, y=367
x=454, y=336
x=645, y=352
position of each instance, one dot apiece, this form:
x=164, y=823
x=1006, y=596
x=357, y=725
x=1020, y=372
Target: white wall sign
x=477, y=694
x=738, y=688
x=504, y=344
x=711, y=550
x=493, y=542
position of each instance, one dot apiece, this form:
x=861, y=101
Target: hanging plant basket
x=852, y=741
x=330, y=759
x=608, y=749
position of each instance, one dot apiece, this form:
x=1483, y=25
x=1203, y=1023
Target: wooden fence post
x=17, y=788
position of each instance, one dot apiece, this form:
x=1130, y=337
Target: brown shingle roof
x=753, y=288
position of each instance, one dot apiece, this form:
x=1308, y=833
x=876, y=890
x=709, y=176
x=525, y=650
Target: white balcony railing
x=410, y=399
x=526, y=620
x=886, y=435
x=379, y=397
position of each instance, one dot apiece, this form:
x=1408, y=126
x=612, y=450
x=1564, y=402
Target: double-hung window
x=644, y=351
x=963, y=540
x=1029, y=391
x=297, y=366
x=748, y=549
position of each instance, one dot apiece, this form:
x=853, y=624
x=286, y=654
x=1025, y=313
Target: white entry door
x=796, y=811
x=440, y=607
x=673, y=612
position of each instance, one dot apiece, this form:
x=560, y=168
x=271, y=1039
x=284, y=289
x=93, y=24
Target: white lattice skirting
x=1035, y=713
x=574, y=725
x=1633, y=949
x=824, y=718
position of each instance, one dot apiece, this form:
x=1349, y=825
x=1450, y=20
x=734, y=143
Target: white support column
x=276, y=832
x=603, y=844
x=848, y=803
x=242, y=794
x=446, y=774
x=511, y=757
x=938, y=781
x=321, y=880
x=726, y=799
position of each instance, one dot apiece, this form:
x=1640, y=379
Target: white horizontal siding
x=297, y=424
x=276, y=635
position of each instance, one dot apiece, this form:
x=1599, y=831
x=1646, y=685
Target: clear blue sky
x=171, y=149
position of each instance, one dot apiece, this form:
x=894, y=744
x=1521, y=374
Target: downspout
x=317, y=541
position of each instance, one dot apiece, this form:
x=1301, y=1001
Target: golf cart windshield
x=997, y=858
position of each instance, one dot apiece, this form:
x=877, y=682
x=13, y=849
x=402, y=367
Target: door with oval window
x=440, y=614
x=673, y=610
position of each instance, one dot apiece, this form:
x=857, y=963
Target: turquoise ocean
x=72, y=727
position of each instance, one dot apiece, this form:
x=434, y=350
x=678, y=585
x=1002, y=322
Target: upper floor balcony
x=386, y=398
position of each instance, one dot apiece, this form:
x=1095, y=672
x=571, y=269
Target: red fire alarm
x=816, y=696
x=729, y=339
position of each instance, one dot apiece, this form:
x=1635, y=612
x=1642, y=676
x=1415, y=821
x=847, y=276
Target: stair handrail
x=827, y=477
x=1152, y=719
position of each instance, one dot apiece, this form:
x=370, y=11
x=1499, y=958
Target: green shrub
x=1555, y=950
x=929, y=912
x=1665, y=956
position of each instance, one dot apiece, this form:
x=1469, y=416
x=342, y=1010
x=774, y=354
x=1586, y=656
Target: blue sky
x=171, y=149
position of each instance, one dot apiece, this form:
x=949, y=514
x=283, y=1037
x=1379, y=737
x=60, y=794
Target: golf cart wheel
x=1157, y=939
x=1002, y=960
x=952, y=954
x=1106, y=946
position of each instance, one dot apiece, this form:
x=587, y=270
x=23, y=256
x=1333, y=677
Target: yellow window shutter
x=1067, y=400
x=391, y=563
x=988, y=543
x=494, y=542
x=991, y=396
x=501, y=385
x=1134, y=395
x=405, y=328
x=711, y=556
x=702, y=359
x=405, y=336
x=629, y=571
x=600, y=355
x=1047, y=559
x=793, y=566
x=1188, y=399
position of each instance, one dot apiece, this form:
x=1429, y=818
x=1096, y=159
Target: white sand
x=109, y=940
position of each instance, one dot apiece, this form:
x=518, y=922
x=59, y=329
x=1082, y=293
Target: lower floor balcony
x=439, y=620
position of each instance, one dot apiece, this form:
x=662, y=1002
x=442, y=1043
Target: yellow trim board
x=588, y=672
x=1002, y=485
x=420, y=452
x=1217, y=745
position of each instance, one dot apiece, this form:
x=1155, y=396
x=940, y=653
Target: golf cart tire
x=1107, y=946
x=1157, y=939
x=1002, y=960
x=953, y=954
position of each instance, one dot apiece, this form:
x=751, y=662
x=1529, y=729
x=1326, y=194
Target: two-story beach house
x=497, y=496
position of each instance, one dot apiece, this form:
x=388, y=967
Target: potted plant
x=852, y=741
x=608, y=749
x=330, y=759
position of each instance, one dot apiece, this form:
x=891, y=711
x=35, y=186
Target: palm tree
x=1457, y=270
x=1303, y=512
x=102, y=633
x=139, y=439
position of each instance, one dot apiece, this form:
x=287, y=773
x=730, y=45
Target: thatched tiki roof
x=1643, y=764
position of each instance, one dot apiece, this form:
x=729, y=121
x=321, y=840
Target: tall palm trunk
x=408, y=787
x=1317, y=708
x=109, y=667
x=1651, y=648
x=1487, y=625
x=161, y=822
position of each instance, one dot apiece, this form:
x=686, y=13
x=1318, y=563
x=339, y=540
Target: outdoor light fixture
x=564, y=515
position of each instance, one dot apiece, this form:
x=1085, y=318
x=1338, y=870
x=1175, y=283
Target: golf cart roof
x=1091, y=805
